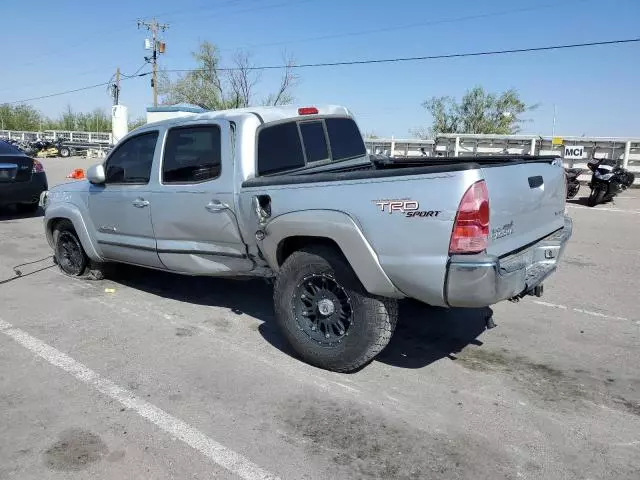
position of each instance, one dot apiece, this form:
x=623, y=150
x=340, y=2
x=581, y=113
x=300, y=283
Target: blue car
x=22, y=179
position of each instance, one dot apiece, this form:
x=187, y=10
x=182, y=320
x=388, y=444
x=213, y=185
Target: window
x=345, y=139
x=279, y=149
x=131, y=162
x=192, y=155
x=315, y=143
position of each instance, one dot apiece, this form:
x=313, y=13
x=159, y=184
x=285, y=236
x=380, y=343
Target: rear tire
x=325, y=313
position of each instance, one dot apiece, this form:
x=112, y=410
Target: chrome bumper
x=483, y=280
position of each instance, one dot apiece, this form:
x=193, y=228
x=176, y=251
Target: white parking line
x=228, y=459
x=605, y=209
x=579, y=310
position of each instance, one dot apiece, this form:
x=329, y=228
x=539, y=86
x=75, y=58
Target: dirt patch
x=75, y=450
x=362, y=444
x=185, y=332
x=628, y=405
x=578, y=263
x=547, y=383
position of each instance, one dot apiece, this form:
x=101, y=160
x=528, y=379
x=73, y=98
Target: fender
x=72, y=213
x=340, y=228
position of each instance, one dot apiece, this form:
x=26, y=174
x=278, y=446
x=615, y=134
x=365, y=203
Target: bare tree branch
x=289, y=80
x=242, y=80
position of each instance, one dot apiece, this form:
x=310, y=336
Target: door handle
x=140, y=203
x=216, y=206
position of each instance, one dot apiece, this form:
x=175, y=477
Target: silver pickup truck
x=290, y=194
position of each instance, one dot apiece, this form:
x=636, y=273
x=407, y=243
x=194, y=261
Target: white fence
x=97, y=138
x=624, y=150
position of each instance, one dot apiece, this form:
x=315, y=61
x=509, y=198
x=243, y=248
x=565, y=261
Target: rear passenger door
x=193, y=207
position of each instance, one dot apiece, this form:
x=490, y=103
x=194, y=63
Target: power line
x=416, y=24
x=89, y=87
x=426, y=57
x=135, y=74
x=364, y=62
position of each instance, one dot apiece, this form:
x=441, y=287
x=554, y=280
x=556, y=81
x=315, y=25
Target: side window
x=279, y=149
x=345, y=139
x=315, y=142
x=192, y=155
x=131, y=162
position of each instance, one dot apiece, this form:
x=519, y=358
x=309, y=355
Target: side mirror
x=96, y=175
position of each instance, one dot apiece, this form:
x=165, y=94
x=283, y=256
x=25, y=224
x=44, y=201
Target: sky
x=50, y=47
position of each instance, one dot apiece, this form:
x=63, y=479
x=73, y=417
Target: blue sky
x=56, y=46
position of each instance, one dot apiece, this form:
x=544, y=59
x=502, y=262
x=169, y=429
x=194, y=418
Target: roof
x=267, y=114
x=179, y=107
x=8, y=149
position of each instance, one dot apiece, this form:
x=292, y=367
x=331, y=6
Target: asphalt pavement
x=154, y=375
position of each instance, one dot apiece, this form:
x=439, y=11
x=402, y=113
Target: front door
x=120, y=208
x=193, y=208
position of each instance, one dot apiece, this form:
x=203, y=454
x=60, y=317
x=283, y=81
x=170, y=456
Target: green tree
x=19, y=117
x=138, y=122
x=477, y=112
x=212, y=88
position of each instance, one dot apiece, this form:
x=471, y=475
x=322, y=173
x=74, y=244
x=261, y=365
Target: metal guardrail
x=97, y=138
x=625, y=150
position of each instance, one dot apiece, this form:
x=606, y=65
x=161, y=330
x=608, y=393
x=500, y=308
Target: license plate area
x=8, y=172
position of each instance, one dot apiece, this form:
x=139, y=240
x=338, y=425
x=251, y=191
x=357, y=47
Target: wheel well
x=293, y=244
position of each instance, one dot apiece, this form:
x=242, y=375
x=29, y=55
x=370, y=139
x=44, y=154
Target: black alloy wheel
x=323, y=309
x=69, y=254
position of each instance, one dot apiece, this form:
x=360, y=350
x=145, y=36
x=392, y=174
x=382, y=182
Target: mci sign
x=573, y=152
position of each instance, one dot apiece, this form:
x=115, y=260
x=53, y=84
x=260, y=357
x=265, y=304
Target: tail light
x=471, y=228
x=308, y=111
x=37, y=166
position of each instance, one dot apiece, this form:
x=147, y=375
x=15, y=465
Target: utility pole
x=115, y=88
x=157, y=47
x=117, y=95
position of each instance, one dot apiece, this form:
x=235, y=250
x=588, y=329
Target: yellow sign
x=557, y=141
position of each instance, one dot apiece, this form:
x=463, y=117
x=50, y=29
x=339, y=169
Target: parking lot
x=153, y=375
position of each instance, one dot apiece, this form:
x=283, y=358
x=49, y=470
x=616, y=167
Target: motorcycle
x=573, y=184
x=607, y=180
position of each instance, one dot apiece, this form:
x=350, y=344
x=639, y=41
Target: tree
x=213, y=88
x=477, y=112
x=19, y=117
x=138, y=122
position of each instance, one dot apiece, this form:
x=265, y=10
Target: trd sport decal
x=407, y=208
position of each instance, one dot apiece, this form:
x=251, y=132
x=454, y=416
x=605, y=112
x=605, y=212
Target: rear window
x=344, y=136
x=315, y=143
x=192, y=154
x=280, y=147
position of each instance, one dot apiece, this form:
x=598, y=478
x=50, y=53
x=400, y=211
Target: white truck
x=290, y=194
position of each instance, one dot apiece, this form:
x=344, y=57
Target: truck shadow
x=424, y=334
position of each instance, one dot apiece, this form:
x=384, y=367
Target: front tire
x=65, y=152
x=68, y=251
x=325, y=313
x=596, y=197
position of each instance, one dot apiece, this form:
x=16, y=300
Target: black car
x=22, y=179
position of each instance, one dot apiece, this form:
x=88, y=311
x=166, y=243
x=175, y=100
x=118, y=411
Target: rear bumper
x=23, y=192
x=483, y=280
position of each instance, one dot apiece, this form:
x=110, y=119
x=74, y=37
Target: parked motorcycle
x=607, y=181
x=573, y=185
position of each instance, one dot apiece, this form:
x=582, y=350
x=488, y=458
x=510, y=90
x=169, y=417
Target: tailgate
x=15, y=169
x=527, y=202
